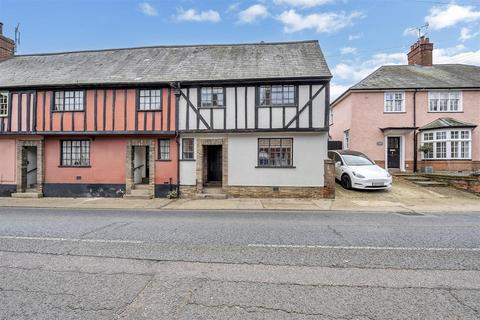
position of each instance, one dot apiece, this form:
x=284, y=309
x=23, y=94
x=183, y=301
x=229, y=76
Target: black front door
x=214, y=164
x=393, y=150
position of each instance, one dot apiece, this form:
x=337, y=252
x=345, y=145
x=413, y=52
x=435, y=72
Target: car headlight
x=358, y=175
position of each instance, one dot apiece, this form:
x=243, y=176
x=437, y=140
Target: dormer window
x=277, y=95
x=69, y=101
x=3, y=104
x=212, y=97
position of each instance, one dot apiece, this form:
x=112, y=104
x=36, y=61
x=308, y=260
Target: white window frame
x=448, y=96
x=391, y=109
x=346, y=139
x=453, y=136
x=3, y=104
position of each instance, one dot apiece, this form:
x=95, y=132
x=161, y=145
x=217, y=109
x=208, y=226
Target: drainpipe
x=415, y=142
x=176, y=87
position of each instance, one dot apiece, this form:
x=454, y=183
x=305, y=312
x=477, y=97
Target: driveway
x=406, y=194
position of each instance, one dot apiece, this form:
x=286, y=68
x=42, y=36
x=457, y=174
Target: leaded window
x=75, y=153
x=69, y=101
x=212, y=97
x=187, y=149
x=277, y=95
x=448, y=144
x=3, y=104
x=150, y=100
x=164, y=149
x=275, y=152
x=394, y=102
x=445, y=101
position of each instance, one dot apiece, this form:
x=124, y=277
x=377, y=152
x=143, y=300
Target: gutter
x=415, y=139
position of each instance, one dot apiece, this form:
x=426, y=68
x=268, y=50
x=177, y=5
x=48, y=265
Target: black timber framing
x=190, y=105
x=297, y=115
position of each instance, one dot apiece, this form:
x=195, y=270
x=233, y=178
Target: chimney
x=421, y=52
x=7, y=46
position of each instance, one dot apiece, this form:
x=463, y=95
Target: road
x=79, y=264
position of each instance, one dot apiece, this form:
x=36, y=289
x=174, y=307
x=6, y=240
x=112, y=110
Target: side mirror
x=338, y=164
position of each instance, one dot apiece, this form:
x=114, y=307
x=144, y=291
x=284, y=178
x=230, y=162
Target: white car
x=355, y=170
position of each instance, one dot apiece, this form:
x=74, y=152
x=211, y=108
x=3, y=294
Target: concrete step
x=137, y=197
x=141, y=187
x=27, y=195
x=416, y=178
x=211, y=196
x=139, y=194
x=212, y=190
x=431, y=183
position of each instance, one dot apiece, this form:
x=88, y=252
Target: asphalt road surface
x=78, y=264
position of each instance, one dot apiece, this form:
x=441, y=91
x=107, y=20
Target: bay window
x=450, y=144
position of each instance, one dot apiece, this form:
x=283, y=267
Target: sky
x=356, y=36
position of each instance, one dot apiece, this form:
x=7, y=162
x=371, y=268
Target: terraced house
x=240, y=120
x=420, y=116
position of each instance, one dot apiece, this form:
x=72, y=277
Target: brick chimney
x=7, y=46
x=421, y=52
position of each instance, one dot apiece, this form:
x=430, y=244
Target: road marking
x=72, y=240
x=360, y=248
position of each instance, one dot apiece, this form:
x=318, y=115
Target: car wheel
x=346, y=182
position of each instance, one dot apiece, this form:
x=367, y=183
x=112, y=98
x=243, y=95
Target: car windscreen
x=355, y=160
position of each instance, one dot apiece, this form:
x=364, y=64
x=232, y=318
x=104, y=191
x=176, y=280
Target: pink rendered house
x=414, y=117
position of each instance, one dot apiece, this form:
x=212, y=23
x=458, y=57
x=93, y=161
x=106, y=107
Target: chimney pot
x=1, y=28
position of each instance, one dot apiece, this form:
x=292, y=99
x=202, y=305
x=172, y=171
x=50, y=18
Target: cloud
x=348, y=50
x=355, y=37
x=466, y=34
x=253, y=13
x=303, y=3
x=336, y=90
x=147, y=9
x=357, y=70
x=410, y=32
x=198, y=16
x=326, y=22
x=450, y=15
x=233, y=7
x=457, y=54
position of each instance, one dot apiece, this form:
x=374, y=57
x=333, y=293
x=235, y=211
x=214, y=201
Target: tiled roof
x=447, y=123
x=164, y=64
x=421, y=77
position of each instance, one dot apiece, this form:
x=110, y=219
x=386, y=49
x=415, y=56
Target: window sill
x=164, y=160
x=187, y=160
x=156, y=110
x=445, y=111
x=278, y=106
x=275, y=167
x=74, y=166
x=212, y=107
x=393, y=112
x=4, y=116
x=60, y=111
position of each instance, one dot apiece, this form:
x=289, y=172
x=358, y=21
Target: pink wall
x=7, y=165
x=363, y=113
x=107, y=162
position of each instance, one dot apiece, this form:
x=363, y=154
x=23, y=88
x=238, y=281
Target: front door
x=214, y=164
x=393, y=152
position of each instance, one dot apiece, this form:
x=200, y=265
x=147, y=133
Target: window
x=448, y=144
x=75, y=153
x=275, y=152
x=68, y=101
x=277, y=95
x=445, y=101
x=346, y=139
x=150, y=99
x=394, y=102
x=3, y=104
x=164, y=149
x=187, y=149
x=212, y=97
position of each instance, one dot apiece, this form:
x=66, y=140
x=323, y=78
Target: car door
x=338, y=165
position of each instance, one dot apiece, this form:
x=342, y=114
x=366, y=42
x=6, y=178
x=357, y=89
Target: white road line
x=71, y=240
x=361, y=248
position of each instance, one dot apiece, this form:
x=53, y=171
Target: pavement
x=403, y=197
x=142, y=264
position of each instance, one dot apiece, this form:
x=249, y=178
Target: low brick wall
x=467, y=183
